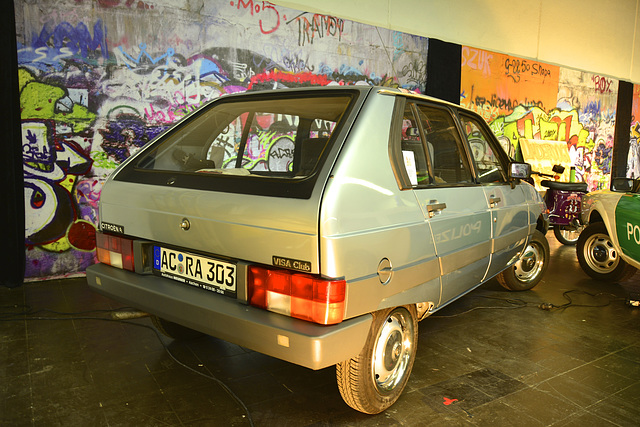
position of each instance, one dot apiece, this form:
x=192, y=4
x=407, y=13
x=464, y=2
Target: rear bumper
x=297, y=341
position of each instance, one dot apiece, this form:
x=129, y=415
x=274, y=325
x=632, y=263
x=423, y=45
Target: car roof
x=382, y=90
x=415, y=95
x=361, y=88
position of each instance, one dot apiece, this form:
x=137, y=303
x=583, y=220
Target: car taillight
x=115, y=251
x=298, y=295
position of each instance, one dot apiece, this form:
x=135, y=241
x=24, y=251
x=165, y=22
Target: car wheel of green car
x=372, y=381
x=174, y=330
x=599, y=258
x=529, y=269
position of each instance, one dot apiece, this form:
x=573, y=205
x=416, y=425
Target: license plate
x=195, y=270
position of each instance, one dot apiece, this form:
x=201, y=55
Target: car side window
x=490, y=169
x=449, y=164
x=413, y=155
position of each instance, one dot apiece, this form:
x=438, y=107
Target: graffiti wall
x=633, y=159
x=524, y=99
x=100, y=78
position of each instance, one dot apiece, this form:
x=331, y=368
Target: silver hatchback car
x=318, y=226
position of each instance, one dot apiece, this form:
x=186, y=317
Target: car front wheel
x=529, y=269
x=599, y=258
x=373, y=381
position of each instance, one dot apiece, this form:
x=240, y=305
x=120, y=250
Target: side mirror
x=519, y=170
x=622, y=185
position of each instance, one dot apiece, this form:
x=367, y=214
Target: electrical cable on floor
x=517, y=303
x=570, y=303
x=28, y=313
x=122, y=315
x=26, y=310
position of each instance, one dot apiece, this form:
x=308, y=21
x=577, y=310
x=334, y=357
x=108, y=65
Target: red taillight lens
x=298, y=295
x=115, y=251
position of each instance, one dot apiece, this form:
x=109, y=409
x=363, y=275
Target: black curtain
x=622, y=133
x=12, y=265
x=444, y=61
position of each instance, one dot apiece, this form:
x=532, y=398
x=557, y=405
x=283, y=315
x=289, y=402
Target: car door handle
x=493, y=201
x=435, y=207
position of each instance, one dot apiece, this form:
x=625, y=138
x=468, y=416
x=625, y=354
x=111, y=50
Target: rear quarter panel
x=601, y=203
x=365, y=218
x=627, y=217
x=620, y=213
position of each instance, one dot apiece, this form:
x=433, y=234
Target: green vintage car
x=609, y=247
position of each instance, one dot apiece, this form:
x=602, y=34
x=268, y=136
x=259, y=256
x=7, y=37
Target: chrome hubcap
x=530, y=264
x=392, y=351
x=600, y=254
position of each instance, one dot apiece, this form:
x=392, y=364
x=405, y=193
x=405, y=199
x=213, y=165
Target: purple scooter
x=564, y=203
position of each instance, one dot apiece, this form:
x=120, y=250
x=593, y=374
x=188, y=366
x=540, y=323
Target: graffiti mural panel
x=633, y=159
x=99, y=79
x=522, y=98
x=591, y=134
x=510, y=93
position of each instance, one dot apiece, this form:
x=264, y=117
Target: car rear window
x=268, y=141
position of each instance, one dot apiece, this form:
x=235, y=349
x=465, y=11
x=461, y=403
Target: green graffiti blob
x=42, y=101
x=535, y=123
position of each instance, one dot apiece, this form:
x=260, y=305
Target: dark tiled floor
x=495, y=361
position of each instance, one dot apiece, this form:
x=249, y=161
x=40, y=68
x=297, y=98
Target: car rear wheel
x=567, y=235
x=174, y=330
x=529, y=269
x=373, y=381
x=599, y=258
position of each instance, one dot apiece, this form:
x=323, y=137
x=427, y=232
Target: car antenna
x=393, y=69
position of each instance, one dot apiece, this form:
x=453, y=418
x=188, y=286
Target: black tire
x=599, y=258
x=372, y=381
x=567, y=235
x=174, y=330
x=529, y=269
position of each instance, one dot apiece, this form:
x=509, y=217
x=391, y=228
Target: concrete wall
x=598, y=36
x=100, y=78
